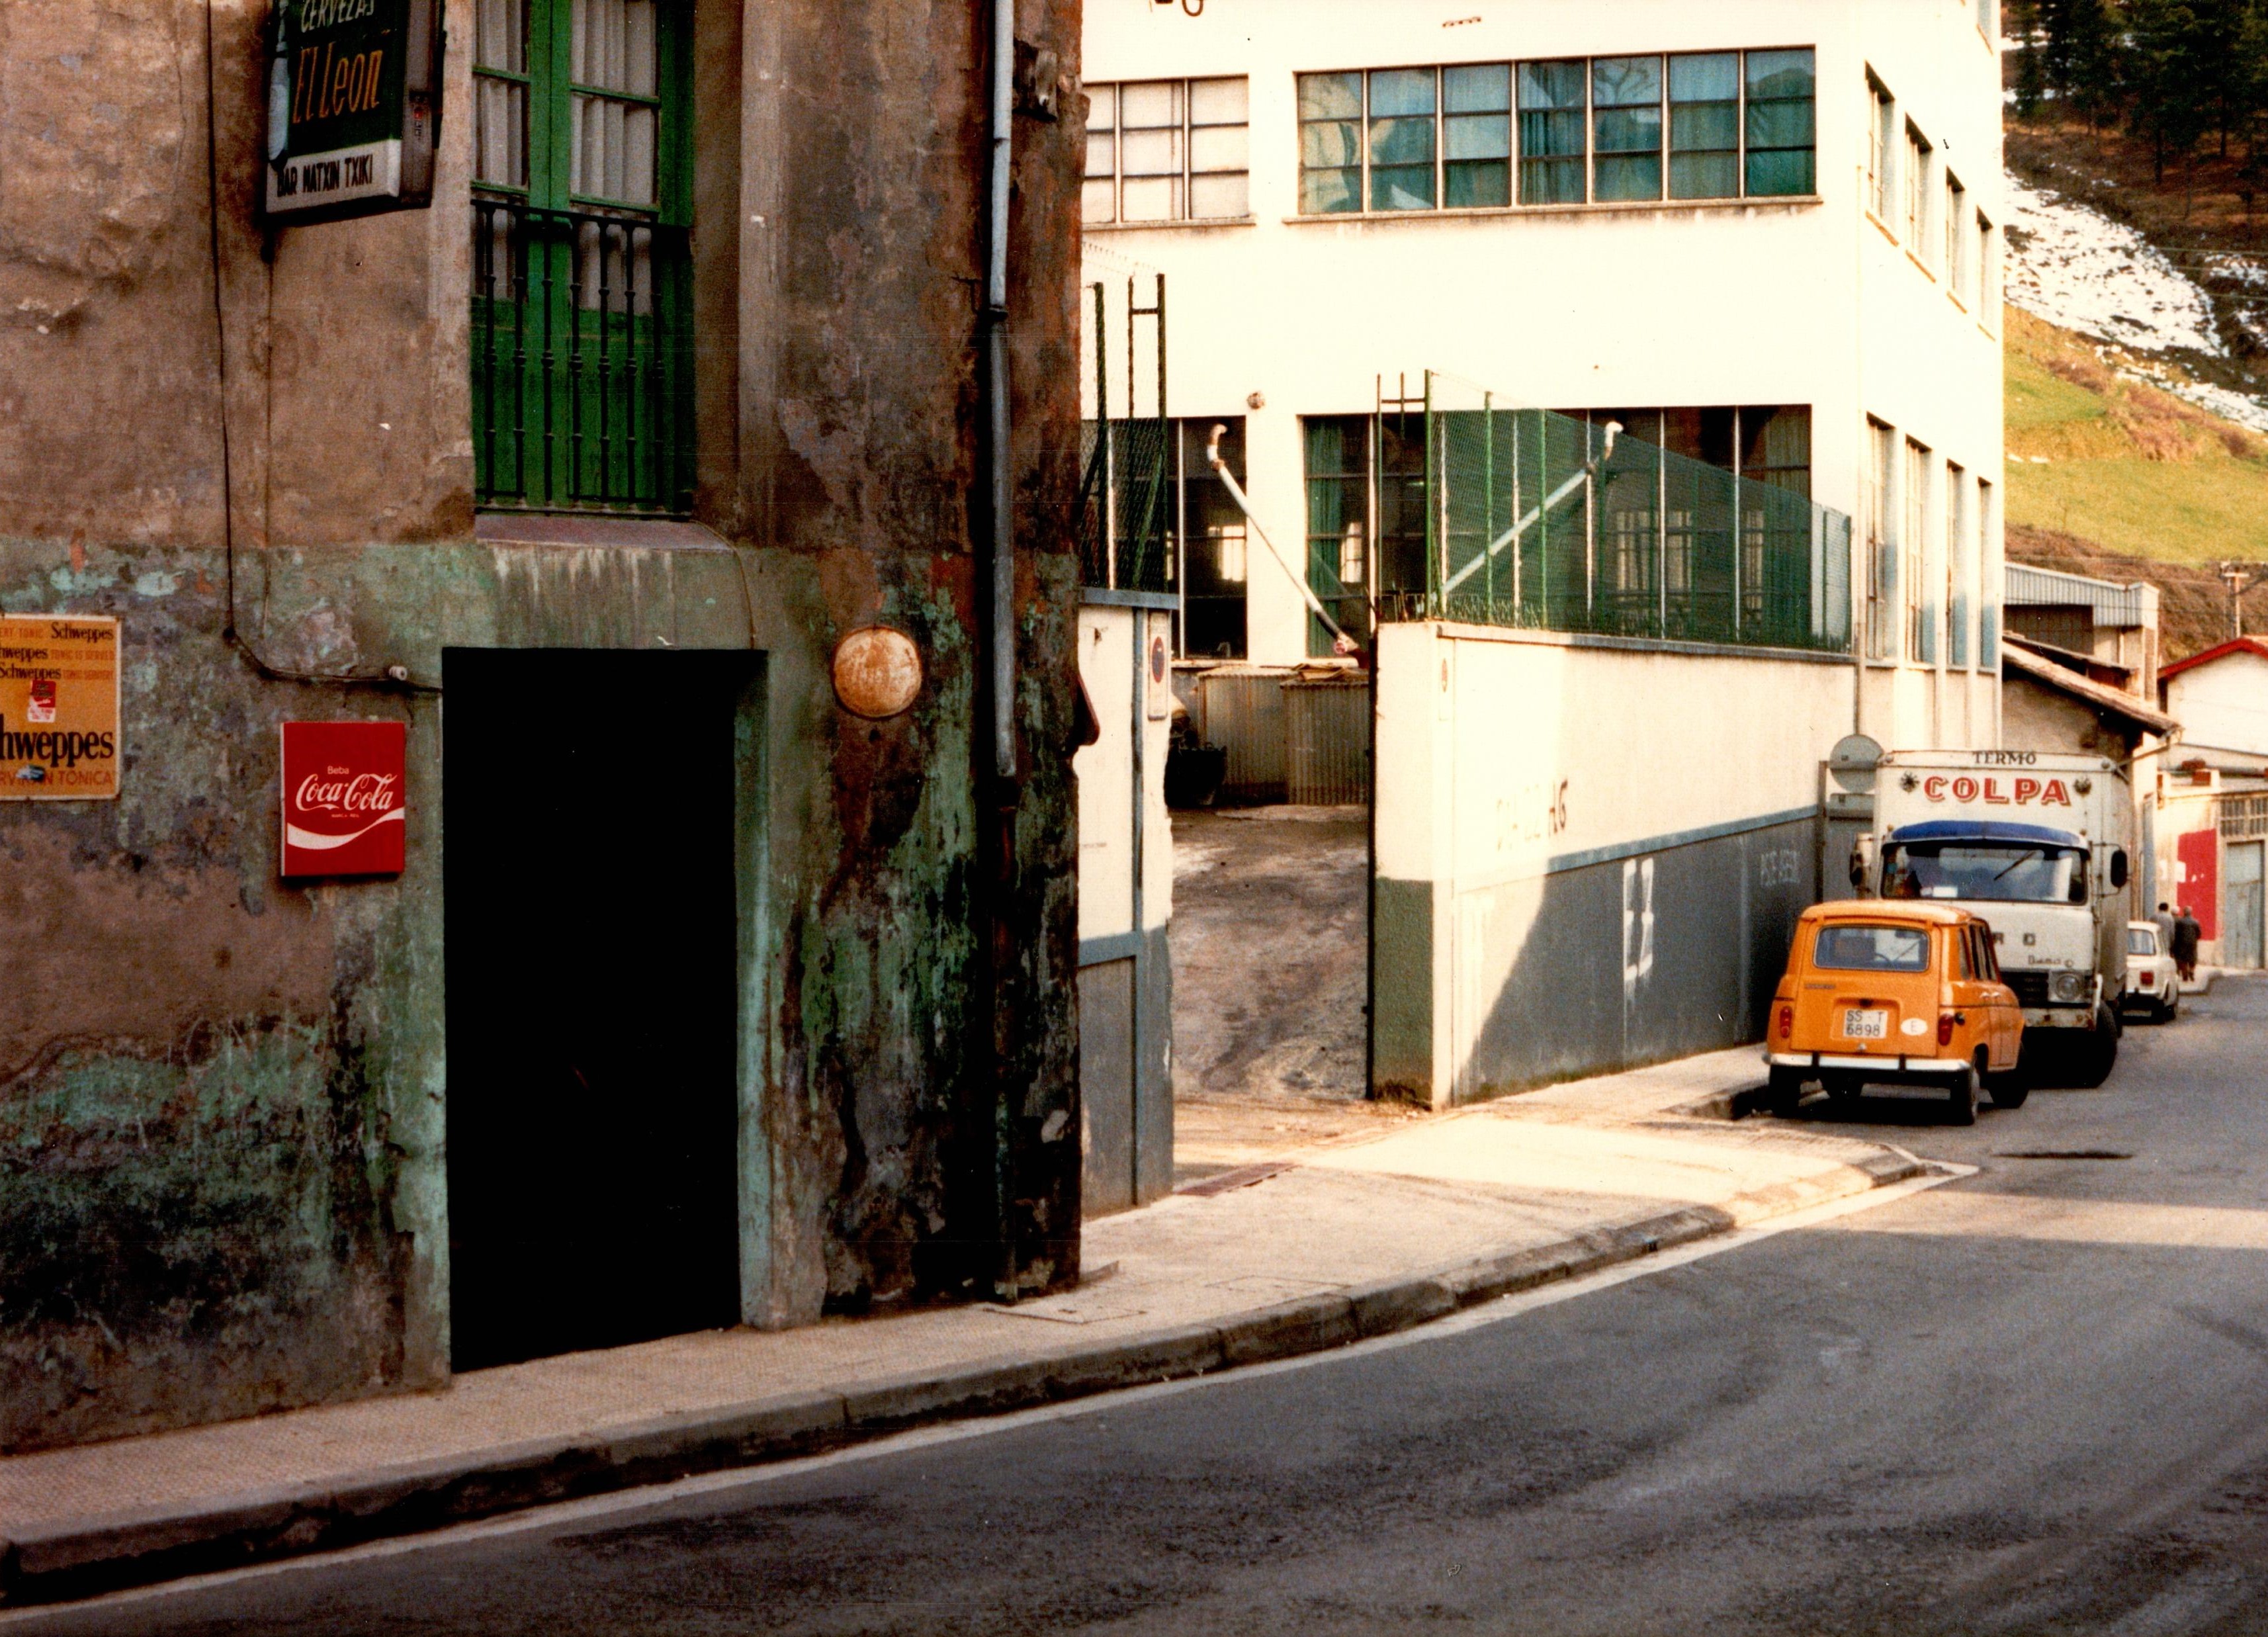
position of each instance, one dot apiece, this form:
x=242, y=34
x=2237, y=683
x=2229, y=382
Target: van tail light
x=1786, y=1021
x=1945, y=1029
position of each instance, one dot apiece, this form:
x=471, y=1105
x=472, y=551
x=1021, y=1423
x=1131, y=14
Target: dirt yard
x=1269, y=984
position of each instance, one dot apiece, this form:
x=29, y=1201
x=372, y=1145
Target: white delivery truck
x=2037, y=843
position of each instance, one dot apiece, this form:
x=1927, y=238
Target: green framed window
x=582, y=288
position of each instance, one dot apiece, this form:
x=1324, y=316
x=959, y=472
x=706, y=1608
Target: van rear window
x=1844, y=946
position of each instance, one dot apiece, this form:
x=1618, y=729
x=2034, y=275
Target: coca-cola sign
x=345, y=798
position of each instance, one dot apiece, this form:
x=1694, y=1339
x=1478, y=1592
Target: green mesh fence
x=1533, y=519
x=1124, y=517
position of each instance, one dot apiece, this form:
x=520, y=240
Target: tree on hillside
x=2167, y=77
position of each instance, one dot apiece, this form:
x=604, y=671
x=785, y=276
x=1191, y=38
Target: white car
x=2153, y=984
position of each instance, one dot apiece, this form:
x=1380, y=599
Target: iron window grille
x=1167, y=151
x=1686, y=126
x=581, y=256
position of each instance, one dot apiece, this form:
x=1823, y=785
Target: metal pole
x=1003, y=543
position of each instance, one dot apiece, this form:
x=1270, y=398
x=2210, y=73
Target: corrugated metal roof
x=2113, y=604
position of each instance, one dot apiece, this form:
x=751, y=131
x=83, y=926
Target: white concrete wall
x=1619, y=832
x=2222, y=705
x=1109, y=654
x=1755, y=302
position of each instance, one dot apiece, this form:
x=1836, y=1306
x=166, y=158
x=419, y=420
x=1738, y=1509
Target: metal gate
x=2245, y=903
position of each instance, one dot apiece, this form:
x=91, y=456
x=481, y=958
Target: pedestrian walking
x=2186, y=932
x=2164, y=917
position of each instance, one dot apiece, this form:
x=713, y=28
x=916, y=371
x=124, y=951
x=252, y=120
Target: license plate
x=1865, y=1025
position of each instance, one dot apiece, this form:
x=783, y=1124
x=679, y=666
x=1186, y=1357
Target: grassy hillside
x=2105, y=458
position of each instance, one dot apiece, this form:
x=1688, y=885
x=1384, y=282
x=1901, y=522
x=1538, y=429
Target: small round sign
x=878, y=672
x=1158, y=661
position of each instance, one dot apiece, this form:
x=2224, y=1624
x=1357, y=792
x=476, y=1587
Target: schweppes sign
x=58, y=708
x=354, y=105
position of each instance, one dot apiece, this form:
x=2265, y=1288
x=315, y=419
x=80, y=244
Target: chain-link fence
x=1539, y=520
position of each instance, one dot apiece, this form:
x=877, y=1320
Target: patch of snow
x=2247, y=411
x=2076, y=268
x=2241, y=269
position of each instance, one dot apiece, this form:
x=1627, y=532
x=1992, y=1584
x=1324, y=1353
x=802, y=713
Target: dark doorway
x=591, y=804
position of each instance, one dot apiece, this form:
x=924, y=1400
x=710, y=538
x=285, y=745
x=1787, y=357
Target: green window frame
x=582, y=288
x=1337, y=451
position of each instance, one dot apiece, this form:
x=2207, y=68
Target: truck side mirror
x=2117, y=867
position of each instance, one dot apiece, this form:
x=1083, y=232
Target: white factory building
x=1763, y=234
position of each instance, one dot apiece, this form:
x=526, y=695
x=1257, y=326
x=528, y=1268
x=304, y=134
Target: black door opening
x=589, y=813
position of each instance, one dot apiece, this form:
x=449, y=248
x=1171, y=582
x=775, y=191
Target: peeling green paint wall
x=223, y=1097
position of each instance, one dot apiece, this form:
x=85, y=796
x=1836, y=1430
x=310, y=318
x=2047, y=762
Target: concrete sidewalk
x=1324, y=1244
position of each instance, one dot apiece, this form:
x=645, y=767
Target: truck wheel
x=1784, y=1092
x=1964, y=1097
x=2099, y=1054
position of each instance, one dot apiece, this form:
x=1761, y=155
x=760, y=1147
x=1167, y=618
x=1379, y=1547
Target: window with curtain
x=1988, y=574
x=1956, y=565
x=1882, y=150
x=1780, y=131
x=1705, y=125
x=1552, y=133
x=1331, y=144
x=1956, y=230
x=1476, y=134
x=1209, y=539
x=1167, y=151
x=1913, y=551
x=1916, y=193
x=1882, y=559
x=1626, y=127
x=1337, y=453
x=581, y=334
x=1402, y=102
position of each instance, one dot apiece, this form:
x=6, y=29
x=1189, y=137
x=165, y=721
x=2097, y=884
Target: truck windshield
x=2010, y=871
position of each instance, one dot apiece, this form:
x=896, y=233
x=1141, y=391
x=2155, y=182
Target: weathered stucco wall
x=222, y=1098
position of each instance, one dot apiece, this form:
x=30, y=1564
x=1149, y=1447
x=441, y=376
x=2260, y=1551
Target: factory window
x=1956, y=229
x=1167, y=151
x=1626, y=127
x=1209, y=534
x=1882, y=135
x=1552, y=133
x=1401, y=105
x=1988, y=578
x=1913, y=551
x=1705, y=125
x=1882, y=559
x=1337, y=449
x=1957, y=561
x=1780, y=138
x=581, y=263
x=1916, y=163
x=1476, y=134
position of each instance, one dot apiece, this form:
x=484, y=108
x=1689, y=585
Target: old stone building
x=699, y=999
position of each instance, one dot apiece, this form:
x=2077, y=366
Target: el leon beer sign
x=345, y=804
x=353, y=106
x=58, y=708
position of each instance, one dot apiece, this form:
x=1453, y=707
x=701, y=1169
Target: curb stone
x=89, y=1556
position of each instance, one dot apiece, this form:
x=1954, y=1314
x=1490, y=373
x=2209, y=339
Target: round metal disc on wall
x=878, y=672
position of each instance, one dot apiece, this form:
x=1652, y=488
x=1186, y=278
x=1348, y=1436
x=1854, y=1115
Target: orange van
x=1901, y=993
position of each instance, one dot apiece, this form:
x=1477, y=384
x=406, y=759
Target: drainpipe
x=1001, y=622
x=996, y=603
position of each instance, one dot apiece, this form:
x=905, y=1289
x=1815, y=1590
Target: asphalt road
x=2034, y=1400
